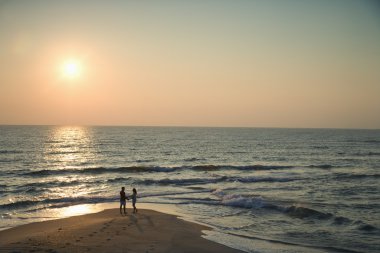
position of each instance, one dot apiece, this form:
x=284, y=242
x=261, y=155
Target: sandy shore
x=108, y=231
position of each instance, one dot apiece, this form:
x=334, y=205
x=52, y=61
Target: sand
x=108, y=231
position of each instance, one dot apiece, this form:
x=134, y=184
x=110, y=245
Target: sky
x=240, y=63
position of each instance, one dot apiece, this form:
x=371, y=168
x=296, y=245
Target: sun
x=71, y=69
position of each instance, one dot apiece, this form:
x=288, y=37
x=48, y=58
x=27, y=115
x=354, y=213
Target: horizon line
x=189, y=126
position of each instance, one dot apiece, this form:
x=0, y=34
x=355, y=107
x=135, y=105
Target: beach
x=108, y=231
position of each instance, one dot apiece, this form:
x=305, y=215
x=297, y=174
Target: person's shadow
x=136, y=221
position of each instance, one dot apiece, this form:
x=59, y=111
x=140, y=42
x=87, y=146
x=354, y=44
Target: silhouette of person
x=123, y=199
x=134, y=198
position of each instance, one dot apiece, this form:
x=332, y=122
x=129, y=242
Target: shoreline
x=108, y=231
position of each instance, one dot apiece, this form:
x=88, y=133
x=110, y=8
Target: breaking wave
x=300, y=212
x=137, y=169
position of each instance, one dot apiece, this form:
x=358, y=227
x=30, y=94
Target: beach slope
x=108, y=231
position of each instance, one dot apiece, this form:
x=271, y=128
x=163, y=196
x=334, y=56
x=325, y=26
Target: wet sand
x=108, y=231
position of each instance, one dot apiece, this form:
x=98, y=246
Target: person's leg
x=120, y=208
x=125, y=211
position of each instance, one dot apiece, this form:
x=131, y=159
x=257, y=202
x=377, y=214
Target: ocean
x=302, y=190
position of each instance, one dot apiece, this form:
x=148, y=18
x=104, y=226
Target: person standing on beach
x=123, y=199
x=134, y=198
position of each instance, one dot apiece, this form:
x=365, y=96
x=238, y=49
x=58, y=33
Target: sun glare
x=71, y=69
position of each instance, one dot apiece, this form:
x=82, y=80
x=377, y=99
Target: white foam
x=237, y=200
x=240, y=201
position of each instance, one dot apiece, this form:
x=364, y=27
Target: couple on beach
x=124, y=198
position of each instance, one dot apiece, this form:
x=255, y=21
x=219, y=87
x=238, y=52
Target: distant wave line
x=143, y=169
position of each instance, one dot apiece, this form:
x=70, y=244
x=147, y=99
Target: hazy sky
x=284, y=63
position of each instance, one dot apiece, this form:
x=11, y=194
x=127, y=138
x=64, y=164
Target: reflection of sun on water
x=76, y=210
x=79, y=210
x=69, y=147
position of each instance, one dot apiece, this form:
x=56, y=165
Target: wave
x=300, y=212
x=367, y=154
x=97, y=170
x=10, y=151
x=171, y=193
x=359, y=154
x=62, y=201
x=184, y=181
x=36, y=187
x=341, y=220
x=321, y=166
x=63, y=152
x=373, y=153
x=320, y=147
x=193, y=159
x=262, y=179
x=367, y=228
x=200, y=181
x=144, y=160
x=371, y=141
x=237, y=152
x=340, y=176
x=134, y=169
x=262, y=167
x=21, y=203
x=10, y=160
x=238, y=200
x=244, y=202
x=304, y=212
x=118, y=179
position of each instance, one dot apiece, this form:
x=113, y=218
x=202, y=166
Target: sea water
x=311, y=189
